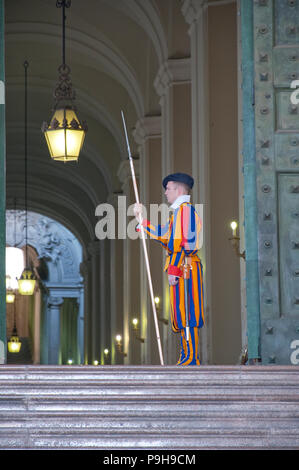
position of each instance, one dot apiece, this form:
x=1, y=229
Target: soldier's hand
x=173, y=280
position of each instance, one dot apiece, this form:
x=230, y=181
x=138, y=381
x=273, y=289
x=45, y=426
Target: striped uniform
x=180, y=238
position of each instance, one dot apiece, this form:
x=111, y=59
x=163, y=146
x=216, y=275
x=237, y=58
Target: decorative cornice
x=192, y=9
x=124, y=171
x=55, y=301
x=146, y=128
x=52, y=241
x=173, y=71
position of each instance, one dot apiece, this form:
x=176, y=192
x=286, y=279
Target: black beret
x=179, y=178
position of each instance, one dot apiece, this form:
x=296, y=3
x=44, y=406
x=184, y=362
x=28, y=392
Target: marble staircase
x=149, y=407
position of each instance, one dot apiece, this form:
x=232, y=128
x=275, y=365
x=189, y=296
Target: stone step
x=186, y=442
x=102, y=412
x=86, y=424
x=149, y=407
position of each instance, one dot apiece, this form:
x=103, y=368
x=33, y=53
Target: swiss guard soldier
x=180, y=238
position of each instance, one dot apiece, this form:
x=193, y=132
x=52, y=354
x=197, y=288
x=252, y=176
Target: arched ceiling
x=114, y=49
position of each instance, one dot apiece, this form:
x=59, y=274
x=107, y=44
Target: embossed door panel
x=288, y=223
x=276, y=56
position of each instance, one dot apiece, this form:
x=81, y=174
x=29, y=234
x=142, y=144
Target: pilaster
x=94, y=249
x=131, y=274
x=116, y=282
x=196, y=15
x=85, y=271
x=147, y=135
x=53, y=329
x=173, y=85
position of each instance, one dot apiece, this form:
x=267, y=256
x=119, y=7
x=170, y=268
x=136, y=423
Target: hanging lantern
x=10, y=296
x=65, y=134
x=26, y=282
x=14, y=344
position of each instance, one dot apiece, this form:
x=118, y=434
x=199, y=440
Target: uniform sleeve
x=184, y=238
x=160, y=233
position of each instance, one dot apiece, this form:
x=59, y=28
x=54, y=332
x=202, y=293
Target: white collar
x=180, y=200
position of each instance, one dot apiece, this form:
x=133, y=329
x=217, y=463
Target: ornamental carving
x=52, y=241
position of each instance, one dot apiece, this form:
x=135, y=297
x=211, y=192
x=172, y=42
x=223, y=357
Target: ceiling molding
x=42, y=206
x=102, y=56
x=148, y=18
x=88, y=151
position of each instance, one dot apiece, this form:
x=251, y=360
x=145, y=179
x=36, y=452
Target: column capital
x=55, y=301
x=192, y=9
x=173, y=71
x=146, y=128
x=124, y=170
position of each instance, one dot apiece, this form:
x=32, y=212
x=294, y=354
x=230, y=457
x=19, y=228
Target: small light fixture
x=95, y=363
x=14, y=344
x=27, y=280
x=234, y=226
x=135, y=323
x=65, y=134
x=106, y=356
x=118, y=339
x=161, y=319
x=70, y=361
x=235, y=240
x=10, y=296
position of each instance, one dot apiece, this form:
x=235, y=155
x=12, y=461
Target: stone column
x=81, y=318
x=53, y=329
x=131, y=273
x=116, y=279
x=37, y=327
x=105, y=308
x=147, y=135
x=85, y=271
x=94, y=249
x=173, y=85
x=195, y=13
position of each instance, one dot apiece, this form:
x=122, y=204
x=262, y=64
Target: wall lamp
x=161, y=319
x=135, y=323
x=119, y=345
x=235, y=240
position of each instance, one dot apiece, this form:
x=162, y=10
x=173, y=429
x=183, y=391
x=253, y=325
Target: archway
x=50, y=322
